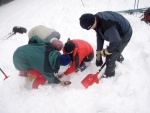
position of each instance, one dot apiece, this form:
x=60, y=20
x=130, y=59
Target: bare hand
x=60, y=75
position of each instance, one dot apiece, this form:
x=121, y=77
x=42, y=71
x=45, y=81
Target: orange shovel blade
x=90, y=79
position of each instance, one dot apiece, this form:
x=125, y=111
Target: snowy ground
x=127, y=92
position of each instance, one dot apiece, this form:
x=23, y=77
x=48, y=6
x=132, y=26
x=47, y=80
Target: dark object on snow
x=146, y=16
x=15, y=30
x=2, y=2
x=18, y=29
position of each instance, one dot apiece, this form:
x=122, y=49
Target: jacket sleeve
x=74, y=65
x=100, y=42
x=51, y=78
x=71, y=69
x=114, y=38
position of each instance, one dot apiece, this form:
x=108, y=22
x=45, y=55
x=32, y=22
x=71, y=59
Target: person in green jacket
x=42, y=56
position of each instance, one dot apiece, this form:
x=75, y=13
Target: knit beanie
x=64, y=59
x=87, y=20
x=58, y=45
x=69, y=46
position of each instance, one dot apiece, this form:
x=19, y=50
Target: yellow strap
x=31, y=77
x=107, y=53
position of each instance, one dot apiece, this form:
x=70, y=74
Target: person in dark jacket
x=112, y=27
x=80, y=51
x=41, y=56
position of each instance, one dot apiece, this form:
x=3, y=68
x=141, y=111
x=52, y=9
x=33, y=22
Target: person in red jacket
x=80, y=52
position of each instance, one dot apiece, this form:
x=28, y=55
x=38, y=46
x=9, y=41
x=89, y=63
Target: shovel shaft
x=102, y=66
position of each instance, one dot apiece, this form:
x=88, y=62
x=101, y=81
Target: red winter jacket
x=81, y=50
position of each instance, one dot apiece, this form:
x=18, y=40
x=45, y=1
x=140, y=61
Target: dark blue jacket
x=113, y=28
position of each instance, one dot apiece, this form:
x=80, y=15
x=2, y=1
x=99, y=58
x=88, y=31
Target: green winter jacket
x=38, y=55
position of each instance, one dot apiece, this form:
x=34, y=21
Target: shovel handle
x=104, y=64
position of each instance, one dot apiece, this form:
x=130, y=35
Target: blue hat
x=87, y=20
x=64, y=59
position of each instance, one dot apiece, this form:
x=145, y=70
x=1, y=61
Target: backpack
x=146, y=16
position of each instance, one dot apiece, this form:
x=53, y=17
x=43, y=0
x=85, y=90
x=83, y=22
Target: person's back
x=109, y=18
x=34, y=56
x=42, y=32
x=83, y=48
x=48, y=35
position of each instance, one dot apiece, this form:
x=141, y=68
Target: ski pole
x=4, y=74
x=8, y=36
x=82, y=3
x=134, y=4
x=137, y=4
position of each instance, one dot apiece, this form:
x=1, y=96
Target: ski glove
x=18, y=29
x=99, y=60
x=105, y=52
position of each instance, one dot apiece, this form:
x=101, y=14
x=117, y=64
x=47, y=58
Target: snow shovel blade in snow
x=90, y=79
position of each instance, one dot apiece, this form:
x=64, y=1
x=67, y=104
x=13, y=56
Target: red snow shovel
x=90, y=79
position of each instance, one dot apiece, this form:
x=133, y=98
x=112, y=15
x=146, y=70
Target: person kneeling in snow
x=80, y=52
x=48, y=35
x=41, y=56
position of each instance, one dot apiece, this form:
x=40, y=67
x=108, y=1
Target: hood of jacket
x=54, y=60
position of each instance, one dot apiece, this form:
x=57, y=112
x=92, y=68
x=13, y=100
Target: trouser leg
x=88, y=58
x=35, y=78
x=120, y=59
x=120, y=49
x=116, y=56
x=110, y=66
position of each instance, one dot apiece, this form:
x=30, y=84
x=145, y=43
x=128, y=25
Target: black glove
x=99, y=60
x=18, y=29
